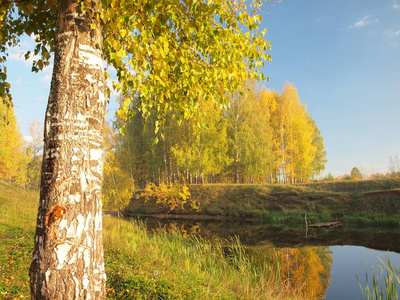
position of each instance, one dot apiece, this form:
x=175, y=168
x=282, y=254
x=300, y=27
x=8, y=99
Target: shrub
x=174, y=195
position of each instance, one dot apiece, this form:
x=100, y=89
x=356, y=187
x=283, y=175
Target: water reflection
x=308, y=267
x=305, y=269
x=255, y=233
x=351, y=260
x=314, y=263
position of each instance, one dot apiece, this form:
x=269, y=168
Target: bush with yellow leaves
x=174, y=195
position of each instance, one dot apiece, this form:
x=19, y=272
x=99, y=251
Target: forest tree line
x=260, y=136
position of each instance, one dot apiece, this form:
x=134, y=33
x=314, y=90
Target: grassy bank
x=142, y=265
x=369, y=202
x=18, y=209
x=169, y=266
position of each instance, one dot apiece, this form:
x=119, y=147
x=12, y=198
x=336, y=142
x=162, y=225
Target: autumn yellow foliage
x=118, y=184
x=173, y=195
x=261, y=136
x=306, y=269
x=12, y=157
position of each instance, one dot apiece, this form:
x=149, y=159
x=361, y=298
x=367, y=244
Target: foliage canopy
x=170, y=54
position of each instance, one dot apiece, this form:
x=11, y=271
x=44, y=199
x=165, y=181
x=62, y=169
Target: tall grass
x=18, y=210
x=171, y=266
x=386, y=289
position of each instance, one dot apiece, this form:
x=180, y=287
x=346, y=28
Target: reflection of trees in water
x=207, y=230
x=307, y=268
x=184, y=229
x=256, y=233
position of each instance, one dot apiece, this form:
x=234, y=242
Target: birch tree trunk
x=68, y=255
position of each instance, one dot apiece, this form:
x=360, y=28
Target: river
x=325, y=261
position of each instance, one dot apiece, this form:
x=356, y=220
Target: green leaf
x=122, y=130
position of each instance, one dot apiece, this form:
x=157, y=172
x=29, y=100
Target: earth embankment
x=320, y=201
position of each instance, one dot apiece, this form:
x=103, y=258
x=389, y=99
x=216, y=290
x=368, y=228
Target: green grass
x=163, y=265
x=17, y=223
x=355, y=186
x=139, y=264
x=376, y=220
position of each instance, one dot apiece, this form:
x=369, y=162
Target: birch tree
x=319, y=160
x=250, y=133
x=297, y=144
x=169, y=53
x=34, y=151
x=202, y=153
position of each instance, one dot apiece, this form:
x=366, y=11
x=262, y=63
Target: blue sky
x=343, y=57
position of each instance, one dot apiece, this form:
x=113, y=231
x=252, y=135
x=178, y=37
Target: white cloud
x=18, y=81
x=45, y=79
x=17, y=53
x=363, y=22
x=396, y=5
x=28, y=139
x=392, y=33
x=41, y=98
x=393, y=37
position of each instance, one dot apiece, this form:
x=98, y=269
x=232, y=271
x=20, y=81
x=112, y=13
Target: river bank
x=368, y=202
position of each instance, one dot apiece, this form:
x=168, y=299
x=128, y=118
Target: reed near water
x=385, y=283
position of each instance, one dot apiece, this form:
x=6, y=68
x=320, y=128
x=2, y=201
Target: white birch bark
x=68, y=255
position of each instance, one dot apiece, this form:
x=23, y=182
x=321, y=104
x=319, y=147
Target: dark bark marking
x=55, y=215
x=94, y=123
